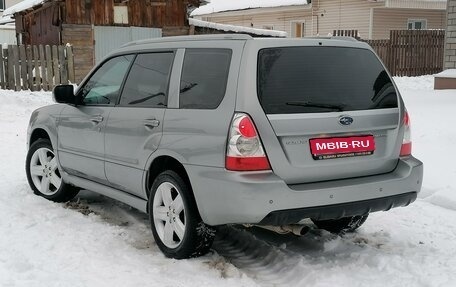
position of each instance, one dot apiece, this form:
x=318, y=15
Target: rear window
x=322, y=79
x=204, y=78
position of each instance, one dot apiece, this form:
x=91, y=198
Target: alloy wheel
x=169, y=215
x=44, y=171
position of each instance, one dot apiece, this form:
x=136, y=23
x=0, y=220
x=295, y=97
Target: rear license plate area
x=342, y=147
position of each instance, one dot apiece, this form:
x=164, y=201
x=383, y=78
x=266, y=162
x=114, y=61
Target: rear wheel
x=176, y=224
x=43, y=173
x=342, y=225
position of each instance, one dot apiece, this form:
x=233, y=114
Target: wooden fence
x=346, y=33
x=35, y=67
x=412, y=52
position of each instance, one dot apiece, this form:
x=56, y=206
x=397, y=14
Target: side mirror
x=64, y=94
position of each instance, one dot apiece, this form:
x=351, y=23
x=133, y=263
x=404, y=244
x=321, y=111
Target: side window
x=104, y=86
x=147, y=83
x=204, y=78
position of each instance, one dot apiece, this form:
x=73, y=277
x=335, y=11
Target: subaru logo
x=345, y=120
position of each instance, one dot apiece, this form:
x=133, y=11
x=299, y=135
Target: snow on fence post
x=36, y=67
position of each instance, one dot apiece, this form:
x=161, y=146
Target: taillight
x=245, y=151
x=406, y=148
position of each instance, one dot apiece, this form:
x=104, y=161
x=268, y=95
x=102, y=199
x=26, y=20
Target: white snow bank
x=433, y=136
x=237, y=29
x=224, y=5
x=450, y=73
x=21, y=6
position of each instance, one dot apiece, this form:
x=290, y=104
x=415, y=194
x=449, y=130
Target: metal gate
x=108, y=38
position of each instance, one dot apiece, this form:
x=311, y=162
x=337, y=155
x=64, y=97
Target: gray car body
x=113, y=156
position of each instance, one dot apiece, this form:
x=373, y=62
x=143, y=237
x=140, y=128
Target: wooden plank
x=70, y=60
x=55, y=60
x=63, y=65
x=9, y=69
x=36, y=58
x=44, y=78
x=23, y=61
x=49, y=68
x=16, y=67
x=29, y=56
x=2, y=70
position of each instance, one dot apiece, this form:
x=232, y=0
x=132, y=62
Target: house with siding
x=373, y=19
x=7, y=3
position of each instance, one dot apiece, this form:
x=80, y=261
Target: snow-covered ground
x=96, y=241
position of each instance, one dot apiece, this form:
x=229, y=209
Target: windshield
x=322, y=79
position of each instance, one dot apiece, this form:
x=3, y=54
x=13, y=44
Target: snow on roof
x=21, y=6
x=237, y=29
x=224, y=5
x=7, y=20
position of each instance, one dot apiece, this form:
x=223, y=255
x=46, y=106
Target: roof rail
x=190, y=38
x=342, y=38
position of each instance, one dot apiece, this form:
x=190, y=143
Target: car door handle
x=96, y=119
x=152, y=123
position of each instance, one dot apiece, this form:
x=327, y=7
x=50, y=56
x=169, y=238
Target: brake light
x=245, y=151
x=406, y=148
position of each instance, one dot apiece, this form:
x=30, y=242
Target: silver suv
x=203, y=131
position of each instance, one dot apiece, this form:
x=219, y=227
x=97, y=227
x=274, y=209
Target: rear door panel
x=295, y=131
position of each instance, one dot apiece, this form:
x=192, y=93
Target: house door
x=298, y=29
x=109, y=38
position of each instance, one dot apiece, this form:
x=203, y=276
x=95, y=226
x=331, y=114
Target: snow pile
x=450, y=73
x=224, y=5
x=95, y=241
x=21, y=6
x=237, y=29
x=433, y=136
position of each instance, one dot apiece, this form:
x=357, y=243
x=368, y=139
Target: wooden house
x=92, y=24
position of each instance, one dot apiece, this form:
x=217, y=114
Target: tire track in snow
x=269, y=262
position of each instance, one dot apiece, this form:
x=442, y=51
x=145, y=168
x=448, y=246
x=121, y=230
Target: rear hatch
x=334, y=112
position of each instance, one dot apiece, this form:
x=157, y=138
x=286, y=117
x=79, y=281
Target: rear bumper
x=340, y=210
x=262, y=197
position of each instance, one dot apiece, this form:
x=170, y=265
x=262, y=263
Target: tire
x=43, y=174
x=343, y=225
x=175, y=221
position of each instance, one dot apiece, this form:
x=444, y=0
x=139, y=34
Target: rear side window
x=147, y=83
x=322, y=79
x=204, y=78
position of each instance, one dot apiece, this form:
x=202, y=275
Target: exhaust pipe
x=298, y=230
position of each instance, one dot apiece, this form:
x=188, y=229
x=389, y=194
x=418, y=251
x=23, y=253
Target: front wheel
x=342, y=225
x=176, y=224
x=43, y=173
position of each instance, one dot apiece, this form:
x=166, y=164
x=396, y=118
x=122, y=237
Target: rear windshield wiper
x=317, y=105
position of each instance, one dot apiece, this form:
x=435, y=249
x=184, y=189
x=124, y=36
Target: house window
x=417, y=24
x=121, y=14
x=268, y=27
x=298, y=29
x=2, y=5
